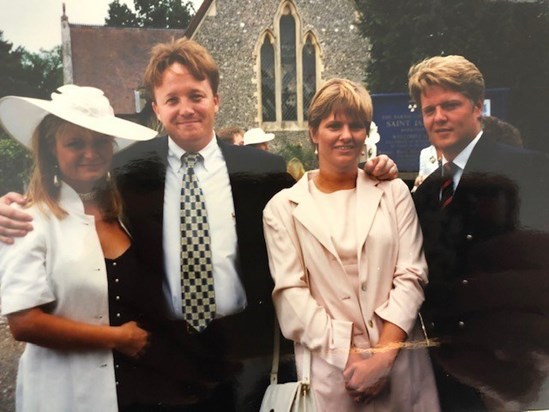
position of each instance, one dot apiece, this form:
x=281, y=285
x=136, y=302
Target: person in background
x=258, y=139
x=295, y=168
x=429, y=161
x=345, y=252
x=73, y=288
x=501, y=131
x=232, y=135
x=225, y=341
x=483, y=213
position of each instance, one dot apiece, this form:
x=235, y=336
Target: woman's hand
x=364, y=377
x=133, y=340
x=365, y=374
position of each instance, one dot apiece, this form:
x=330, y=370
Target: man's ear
x=217, y=100
x=477, y=108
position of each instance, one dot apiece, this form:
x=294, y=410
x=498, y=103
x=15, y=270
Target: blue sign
x=401, y=129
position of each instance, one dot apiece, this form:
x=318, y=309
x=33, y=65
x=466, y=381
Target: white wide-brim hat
x=84, y=106
x=257, y=135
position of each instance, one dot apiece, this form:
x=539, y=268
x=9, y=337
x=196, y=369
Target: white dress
x=60, y=265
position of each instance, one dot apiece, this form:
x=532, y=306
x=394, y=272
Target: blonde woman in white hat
x=257, y=138
x=70, y=287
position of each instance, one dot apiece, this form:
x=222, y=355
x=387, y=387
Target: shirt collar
x=463, y=157
x=175, y=152
x=69, y=200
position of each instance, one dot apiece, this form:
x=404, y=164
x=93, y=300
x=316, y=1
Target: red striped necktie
x=447, y=186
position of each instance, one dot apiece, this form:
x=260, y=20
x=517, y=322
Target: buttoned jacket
x=60, y=265
x=313, y=297
x=488, y=270
x=502, y=190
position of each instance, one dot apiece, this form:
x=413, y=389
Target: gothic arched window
x=288, y=63
x=268, y=80
x=288, y=67
x=309, y=73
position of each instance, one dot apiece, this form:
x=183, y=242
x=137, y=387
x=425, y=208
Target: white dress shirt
x=213, y=176
x=462, y=158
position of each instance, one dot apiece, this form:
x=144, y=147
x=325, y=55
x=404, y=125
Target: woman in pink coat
x=345, y=252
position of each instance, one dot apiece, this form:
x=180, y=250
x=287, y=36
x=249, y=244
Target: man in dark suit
x=485, y=303
x=236, y=183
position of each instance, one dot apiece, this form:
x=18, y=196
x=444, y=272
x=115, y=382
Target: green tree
x=170, y=14
x=44, y=70
x=29, y=74
x=24, y=74
x=12, y=80
x=15, y=166
x=506, y=40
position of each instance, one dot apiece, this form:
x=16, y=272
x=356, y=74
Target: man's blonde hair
x=185, y=52
x=455, y=73
x=340, y=96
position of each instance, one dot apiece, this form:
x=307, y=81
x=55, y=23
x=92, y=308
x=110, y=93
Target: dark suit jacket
x=485, y=275
x=255, y=177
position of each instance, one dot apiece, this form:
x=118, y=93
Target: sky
x=36, y=24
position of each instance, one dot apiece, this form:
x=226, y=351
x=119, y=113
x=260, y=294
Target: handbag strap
x=276, y=353
x=306, y=373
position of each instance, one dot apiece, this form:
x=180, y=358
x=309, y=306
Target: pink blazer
x=313, y=297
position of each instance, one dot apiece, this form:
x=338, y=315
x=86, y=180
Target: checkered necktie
x=197, y=283
x=447, y=186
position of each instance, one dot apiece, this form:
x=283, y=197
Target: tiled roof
x=114, y=59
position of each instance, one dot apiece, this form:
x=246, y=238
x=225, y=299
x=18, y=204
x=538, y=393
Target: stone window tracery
x=288, y=63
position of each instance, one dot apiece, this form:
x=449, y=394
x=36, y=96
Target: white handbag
x=291, y=396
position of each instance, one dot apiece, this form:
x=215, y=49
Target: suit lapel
x=306, y=212
x=368, y=197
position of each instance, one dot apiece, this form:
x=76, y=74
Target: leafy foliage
x=169, y=14
x=15, y=165
x=506, y=40
x=288, y=149
x=29, y=74
x=24, y=74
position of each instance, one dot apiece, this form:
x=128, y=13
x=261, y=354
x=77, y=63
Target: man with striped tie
x=481, y=212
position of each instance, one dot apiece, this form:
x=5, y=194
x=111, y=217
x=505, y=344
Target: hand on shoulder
x=13, y=222
x=381, y=167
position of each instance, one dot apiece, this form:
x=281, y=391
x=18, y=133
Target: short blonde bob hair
x=340, y=96
x=185, y=52
x=454, y=73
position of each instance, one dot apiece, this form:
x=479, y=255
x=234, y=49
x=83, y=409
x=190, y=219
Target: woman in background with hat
x=72, y=288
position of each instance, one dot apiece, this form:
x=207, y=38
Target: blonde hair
x=455, y=73
x=295, y=168
x=42, y=191
x=340, y=96
x=185, y=52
